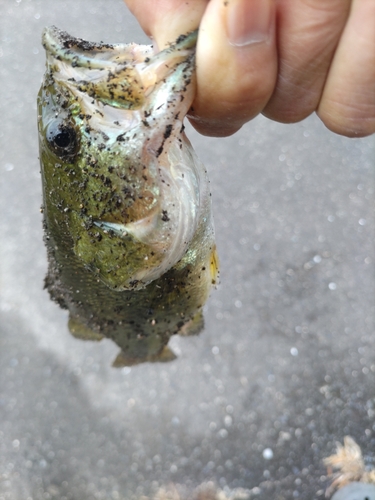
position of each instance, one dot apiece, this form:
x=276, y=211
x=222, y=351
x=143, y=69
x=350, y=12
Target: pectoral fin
x=81, y=331
x=194, y=326
x=214, y=267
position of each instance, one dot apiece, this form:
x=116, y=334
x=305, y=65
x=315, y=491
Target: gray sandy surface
x=355, y=491
x=286, y=364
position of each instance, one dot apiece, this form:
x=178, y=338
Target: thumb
x=236, y=64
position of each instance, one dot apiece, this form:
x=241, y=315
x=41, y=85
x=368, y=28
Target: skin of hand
x=283, y=58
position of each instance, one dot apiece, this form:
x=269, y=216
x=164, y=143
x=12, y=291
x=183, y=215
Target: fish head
x=120, y=185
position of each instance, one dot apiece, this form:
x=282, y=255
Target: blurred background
x=286, y=364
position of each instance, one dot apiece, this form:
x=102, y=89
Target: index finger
x=165, y=20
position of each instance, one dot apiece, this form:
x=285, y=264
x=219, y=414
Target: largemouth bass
x=127, y=208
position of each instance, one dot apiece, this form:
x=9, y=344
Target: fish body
x=127, y=208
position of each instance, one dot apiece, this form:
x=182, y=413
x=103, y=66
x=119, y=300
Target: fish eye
x=62, y=138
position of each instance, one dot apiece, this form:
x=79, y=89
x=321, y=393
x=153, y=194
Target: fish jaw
x=128, y=106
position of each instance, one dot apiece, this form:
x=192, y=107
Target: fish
x=126, y=208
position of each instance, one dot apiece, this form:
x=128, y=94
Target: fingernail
x=248, y=21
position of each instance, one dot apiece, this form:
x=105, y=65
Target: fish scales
x=127, y=207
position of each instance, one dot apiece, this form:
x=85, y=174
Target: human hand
x=283, y=58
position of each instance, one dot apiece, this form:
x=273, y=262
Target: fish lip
x=180, y=52
x=184, y=42
x=61, y=45
x=53, y=34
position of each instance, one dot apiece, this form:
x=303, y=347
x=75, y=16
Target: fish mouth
x=122, y=75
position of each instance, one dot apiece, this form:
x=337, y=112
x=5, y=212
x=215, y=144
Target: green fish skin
x=127, y=207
